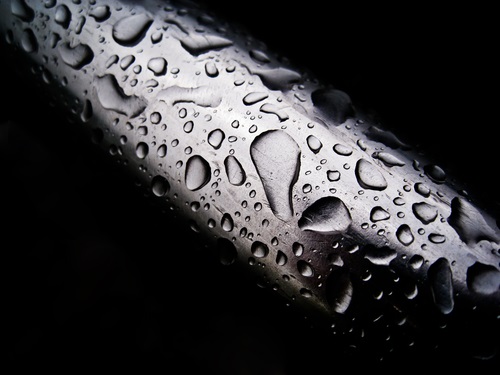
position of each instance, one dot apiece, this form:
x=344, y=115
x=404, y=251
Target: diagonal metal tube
x=284, y=177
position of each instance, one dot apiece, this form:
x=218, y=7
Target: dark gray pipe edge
x=285, y=177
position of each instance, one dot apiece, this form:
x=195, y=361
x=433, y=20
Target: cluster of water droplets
x=287, y=175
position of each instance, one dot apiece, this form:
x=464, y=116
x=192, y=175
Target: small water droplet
x=141, y=150
x=388, y=159
x=339, y=289
x=28, y=41
x=437, y=238
x=200, y=43
x=111, y=96
x=227, y=222
x=379, y=214
x=281, y=258
x=404, y=235
x=63, y=16
x=129, y=31
x=274, y=110
x=416, y=261
x=158, y=65
x=159, y=186
x=441, y=282
x=234, y=171
x=87, y=111
x=127, y=61
x=435, y=173
x=188, y=126
x=277, y=78
x=259, y=249
x=197, y=173
x=369, y=177
x=77, y=56
x=100, y=13
x=386, y=137
x=211, y=69
x=305, y=268
x=326, y=215
x=333, y=175
x=314, y=144
x=422, y=189
x=381, y=256
x=162, y=151
x=215, y=138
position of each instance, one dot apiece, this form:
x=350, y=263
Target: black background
x=93, y=272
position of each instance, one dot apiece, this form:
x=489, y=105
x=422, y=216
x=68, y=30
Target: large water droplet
x=28, y=41
x=298, y=249
x=111, y=96
x=369, y=177
x=326, y=215
x=435, y=173
x=129, y=31
x=381, y=256
x=425, y=212
x=197, y=172
x=227, y=251
x=274, y=110
x=254, y=97
x=276, y=157
x=277, y=78
x=404, y=235
x=20, y=9
x=305, y=268
x=469, y=223
x=441, y=283
x=314, y=144
x=159, y=186
x=158, y=65
x=259, y=249
x=336, y=104
x=63, y=16
x=234, y=171
x=483, y=278
x=100, y=13
x=215, y=138
x=227, y=222
x=378, y=214
x=77, y=56
x=201, y=43
x=339, y=290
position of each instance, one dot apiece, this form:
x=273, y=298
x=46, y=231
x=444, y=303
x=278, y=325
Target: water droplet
x=211, y=69
x=404, y=235
x=77, y=56
x=274, y=110
x=305, y=268
x=386, y=137
x=204, y=96
x=416, y=262
x=339, y=290
x=227, y=222
x=234, y=171
x=381, y=256
x=100, y=13
x=333, y=175
x=388, y=159
x=336, y=104
x=254, y=97
x=435, y=173
x=127, y=61
x=278, y=168
x=483, y=278
x=259, y=56
x=342, y=150
x=28, y=41
x=159, y=186
x=141, y=150
x=87, y=111
x=215, y=138
x=422, y=189
x=111, y=96
x=469, y=223
x=188, y=126
x=369, y=177
x=326, y=215
x=306, y=293
x=281, y=258
x=379, y=214
x=197, y=172
x=441, y=283
x=80, y=23
x=259, y=249
x=314, y=144
x=158, y=65
x=63, y=16
x=436, y=238
x=20, y=9
x=155, y=118
x=162, y=151
x=129, y=31
x=227, y=251
x=298, y=249
x=156, y=37
x=277, y=78
x=201, y=43
x=425, y=212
